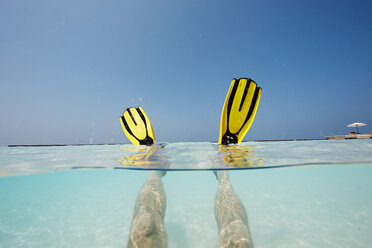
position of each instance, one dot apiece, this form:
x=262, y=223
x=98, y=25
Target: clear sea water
x=47, y=199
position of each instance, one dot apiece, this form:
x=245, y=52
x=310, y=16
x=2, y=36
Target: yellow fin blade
x=137, y=126
x=239, y=110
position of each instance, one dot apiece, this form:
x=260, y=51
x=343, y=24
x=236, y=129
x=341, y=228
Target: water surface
x=46, y=204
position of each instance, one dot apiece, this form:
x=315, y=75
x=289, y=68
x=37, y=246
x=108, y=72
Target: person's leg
x=148, y=219
x=230, y=215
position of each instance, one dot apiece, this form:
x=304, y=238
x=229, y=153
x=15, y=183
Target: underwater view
x=85, y=196
x=82, y=165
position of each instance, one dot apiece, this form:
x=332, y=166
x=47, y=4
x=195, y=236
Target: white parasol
x=357, y=124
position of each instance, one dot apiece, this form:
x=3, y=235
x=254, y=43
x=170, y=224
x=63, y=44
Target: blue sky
x=68, y=69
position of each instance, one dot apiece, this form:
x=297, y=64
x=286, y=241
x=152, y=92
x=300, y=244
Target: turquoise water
x=45, y=203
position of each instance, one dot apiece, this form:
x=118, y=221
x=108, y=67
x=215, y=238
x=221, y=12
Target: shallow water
x=184, y=156
x=313, y=206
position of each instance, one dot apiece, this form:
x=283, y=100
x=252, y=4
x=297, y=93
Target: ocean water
x=74, y=196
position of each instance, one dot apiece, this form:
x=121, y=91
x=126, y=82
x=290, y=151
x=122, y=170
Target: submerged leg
x=147, y=224
x=232, y=221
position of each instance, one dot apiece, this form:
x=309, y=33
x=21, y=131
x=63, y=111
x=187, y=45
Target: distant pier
x=350, y=136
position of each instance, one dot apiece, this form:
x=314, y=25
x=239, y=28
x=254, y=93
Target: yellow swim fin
x=239, y=110
x=137, y=126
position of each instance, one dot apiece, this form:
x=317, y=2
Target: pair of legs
x=148, y=230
